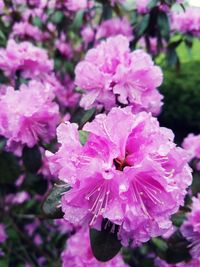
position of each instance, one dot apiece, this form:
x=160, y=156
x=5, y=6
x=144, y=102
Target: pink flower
x=24, y=57
x=64, y=90
x=78, y=253
x=114, y=27
x=191, y=227
x=24, y=29
x=87, y=33
x=64, y=47
x=3, y=235
x=192, y=144
x=187, y=22
x=64, y=226
x=18, y=198
x=153, y=42
x=129, y=171
x=142, y=6
x=28, y=115
x=112, y=75
x=74, y=5
x=1, y=6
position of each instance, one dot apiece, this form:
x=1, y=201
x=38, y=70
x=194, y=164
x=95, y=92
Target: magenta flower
x=78, y=253
x=111, y=75
x=129, y=171
x=191, y=228
x=28, y=115
x=25, y=57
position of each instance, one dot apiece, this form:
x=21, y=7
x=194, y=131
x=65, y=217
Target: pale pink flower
x=25, y=29
x=112, y=75
x=24, y=57
x=187, y=21
x=192, y=144
x=28, y=115
x=114, y=27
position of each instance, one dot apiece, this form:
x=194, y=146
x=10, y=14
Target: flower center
x=120, y=164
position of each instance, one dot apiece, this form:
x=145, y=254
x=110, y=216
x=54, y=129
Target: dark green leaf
x=160, y=243
x=178, y=219
x=178, y=249
x=105, y=244
x=163, y=24
x=32, y=158
x=50, y=206
x=10, y=169
x=142, y=26
x=172, y=57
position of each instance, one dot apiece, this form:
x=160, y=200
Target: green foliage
x=181, y=90
x=51, y=205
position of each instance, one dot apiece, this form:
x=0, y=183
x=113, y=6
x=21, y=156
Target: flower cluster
x=129, y=171
x=112, y=75
x=26, y=58
x=187, y=22
x=28, y=115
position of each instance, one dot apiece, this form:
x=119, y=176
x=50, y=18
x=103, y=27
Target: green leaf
x=37, y=22
x=160, y=243
x=152, y=4
x=51, y=205
x=163, y=23
x=142, y=25
x=32, y=158
x=105, y=244
x=172, y=57
x=57, y=17
x=178, y=218
x=88, y=115
x=83, y=136
x=78, y=20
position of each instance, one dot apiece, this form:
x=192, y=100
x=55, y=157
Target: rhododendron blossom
x=192, y=144
x=187, y=21
x=24, y=57
x=129, y=171
x=114, y=27
x=79, y=253
x=191, y=228
x=112, y=75
x=28, y=115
